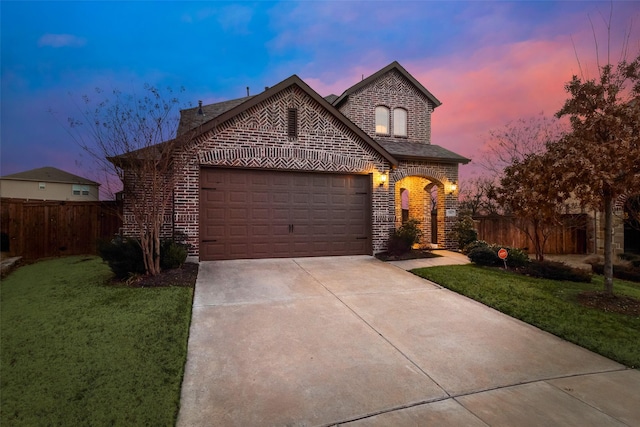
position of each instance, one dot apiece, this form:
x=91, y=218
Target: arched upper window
x=399, y=122
x=382, y=120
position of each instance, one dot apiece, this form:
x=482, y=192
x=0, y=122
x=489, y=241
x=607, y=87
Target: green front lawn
x=78, y=351
x=551, y=306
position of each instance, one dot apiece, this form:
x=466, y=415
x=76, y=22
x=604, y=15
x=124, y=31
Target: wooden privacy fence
x=36, y=229
x=569, y=238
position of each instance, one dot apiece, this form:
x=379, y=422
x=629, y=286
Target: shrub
x=172, y=254
x=623, y=272
x=123, y=255
x=484, y=255
x=516, y=258
x=475, y=244
x=556, y=271
x=404, y=237
x=463, y=231
x=125, y=259
x=634, y=259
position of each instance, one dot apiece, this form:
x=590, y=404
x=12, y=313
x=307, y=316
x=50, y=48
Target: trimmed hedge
x=619, y=272
x=556, y=271
x=634, y=259
x=482, y=253
x=124, y=255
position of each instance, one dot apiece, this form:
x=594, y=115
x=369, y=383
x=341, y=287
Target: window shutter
x=292, y=123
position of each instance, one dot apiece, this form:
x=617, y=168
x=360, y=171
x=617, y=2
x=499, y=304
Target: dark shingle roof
x=406, y=150
x=190, y=119
x=331, y=98
x=393, y=66
x=215, y=114
x=49, y=174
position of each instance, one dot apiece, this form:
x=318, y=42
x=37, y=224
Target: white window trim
x=388, y=124
x=80, y=190
x=395, y=122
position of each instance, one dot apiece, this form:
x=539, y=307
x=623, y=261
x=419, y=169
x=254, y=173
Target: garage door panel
x=236, y=231
x=237, y=214
x=238, y=197
x=259, y=197
x=298, y=215
x=259, y=214
x=280, y=214
x=260, y=231
x=280, y=198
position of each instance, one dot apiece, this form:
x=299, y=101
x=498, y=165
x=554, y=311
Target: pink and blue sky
x=489, y=62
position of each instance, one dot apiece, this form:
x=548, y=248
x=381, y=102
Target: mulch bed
x=413, y=254
x=183, y=276
x=610, y=303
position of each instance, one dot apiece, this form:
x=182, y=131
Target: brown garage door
x=269, y=214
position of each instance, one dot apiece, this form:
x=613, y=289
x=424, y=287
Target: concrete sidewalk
x=356, y=341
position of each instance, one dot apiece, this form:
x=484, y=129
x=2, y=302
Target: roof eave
x=374, y=76
x=294, y=80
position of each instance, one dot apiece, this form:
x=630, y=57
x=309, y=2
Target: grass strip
x=78, y=351
x=549, y=305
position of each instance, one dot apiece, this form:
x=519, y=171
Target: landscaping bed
x=412, y=254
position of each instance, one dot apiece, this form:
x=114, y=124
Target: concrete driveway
x=355, y=341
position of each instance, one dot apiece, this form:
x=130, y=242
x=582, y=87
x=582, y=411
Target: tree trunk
x=538, y=245
x=608, y=239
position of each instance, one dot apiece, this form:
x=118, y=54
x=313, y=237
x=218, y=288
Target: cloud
x=61, y=40
x=233, y=18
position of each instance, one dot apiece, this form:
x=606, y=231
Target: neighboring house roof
x=406, y=150
x=393, y=66
x=248, y=102
x=49, y=174
x=191, y=118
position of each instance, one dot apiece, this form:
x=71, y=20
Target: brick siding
x=258, y=138
x=391, y=90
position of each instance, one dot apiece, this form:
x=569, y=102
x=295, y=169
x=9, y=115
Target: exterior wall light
x=453, y=187
x=383, y=179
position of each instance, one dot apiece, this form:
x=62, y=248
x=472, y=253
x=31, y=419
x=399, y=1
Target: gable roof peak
x=395, y=65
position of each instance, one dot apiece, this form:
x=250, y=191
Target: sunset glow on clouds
x=488, y=62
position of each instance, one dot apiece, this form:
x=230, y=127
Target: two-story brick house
x=289, y=173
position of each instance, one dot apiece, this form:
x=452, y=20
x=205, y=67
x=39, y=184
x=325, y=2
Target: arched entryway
x=421, y=198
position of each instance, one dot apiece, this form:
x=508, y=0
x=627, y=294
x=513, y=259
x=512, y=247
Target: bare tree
x=479, y=196
x=517, y=140
x=133, y=137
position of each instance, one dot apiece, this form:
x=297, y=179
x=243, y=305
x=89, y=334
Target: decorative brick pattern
x=391, y=90
x=257, y=138
x=285, y=158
